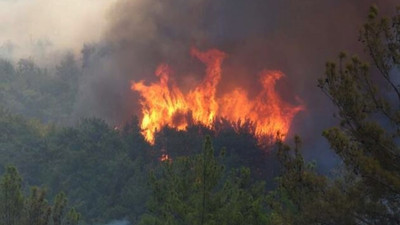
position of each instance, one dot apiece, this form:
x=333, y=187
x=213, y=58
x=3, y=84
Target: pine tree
x=58, y=210
x=72, y=217
x=15, y=209
x=195, y=190
x=37, y=210
x=11, y=197
x=368, y=101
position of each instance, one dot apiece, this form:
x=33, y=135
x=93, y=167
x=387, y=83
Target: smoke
x=296, y=37
x=41, y=28
x=127, y=39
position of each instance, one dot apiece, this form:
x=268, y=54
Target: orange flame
x=163, y=103
x=164, y=157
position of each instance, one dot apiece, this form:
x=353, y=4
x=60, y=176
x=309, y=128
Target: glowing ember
x=164, y=157
x=163, y=103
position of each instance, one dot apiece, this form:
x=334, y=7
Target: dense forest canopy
x=58, y=167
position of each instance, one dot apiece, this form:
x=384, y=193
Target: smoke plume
x=127, y=39
x=296, y=37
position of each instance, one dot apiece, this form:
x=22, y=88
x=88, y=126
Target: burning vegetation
x=164, y=104
x=200, y=152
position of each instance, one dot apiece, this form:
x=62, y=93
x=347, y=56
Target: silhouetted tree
x=368, y=102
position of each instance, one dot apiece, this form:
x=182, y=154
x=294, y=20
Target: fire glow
x=164, y=104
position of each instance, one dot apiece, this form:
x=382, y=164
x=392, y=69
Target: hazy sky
x=66, y=24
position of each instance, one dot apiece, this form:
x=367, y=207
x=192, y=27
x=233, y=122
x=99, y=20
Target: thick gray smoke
x=296, y=37
x=125, y=40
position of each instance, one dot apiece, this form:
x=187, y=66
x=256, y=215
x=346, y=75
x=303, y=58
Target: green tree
x=65, y=87
x=72, y=217
x=42, y=93
x=37, y=210
x=11, y=197
x=368, y=102
x=15, y=209
x=58, y=210
x=303, y=196
x=299, y=189
x=193, y=190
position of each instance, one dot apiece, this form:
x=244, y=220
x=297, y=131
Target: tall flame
x=164, y=104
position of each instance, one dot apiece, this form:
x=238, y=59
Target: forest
x=61, y=171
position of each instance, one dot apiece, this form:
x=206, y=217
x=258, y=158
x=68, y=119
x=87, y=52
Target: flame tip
x=164, y=104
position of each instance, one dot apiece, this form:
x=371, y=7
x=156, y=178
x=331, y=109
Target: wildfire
x=164, y=104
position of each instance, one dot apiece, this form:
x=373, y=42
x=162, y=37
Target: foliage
x=104, y=170
x=96, y=165
x=47, y=95
x=368, y=107
x=305, y=197
x=192, y=190
x=11, y=197
x=15, y=209
x=243, y=148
